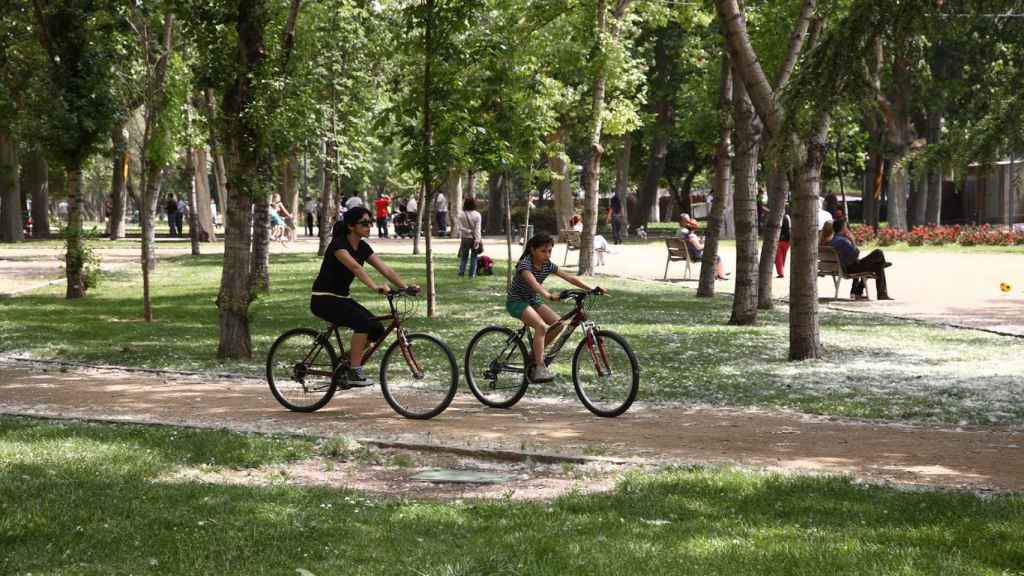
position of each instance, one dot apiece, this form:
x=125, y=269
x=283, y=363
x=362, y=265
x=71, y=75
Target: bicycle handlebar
x=410, y=291
x=578, y=294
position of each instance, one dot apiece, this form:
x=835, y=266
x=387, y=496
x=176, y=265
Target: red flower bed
x=984, y=235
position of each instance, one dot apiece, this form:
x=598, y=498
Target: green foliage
x=78, y=90
x=80, y=254
x=170, y=127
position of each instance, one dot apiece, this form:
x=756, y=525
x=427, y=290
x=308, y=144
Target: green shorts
x=517, y=307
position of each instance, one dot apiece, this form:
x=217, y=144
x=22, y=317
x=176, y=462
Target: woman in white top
x=600, y=244
x=469, y=232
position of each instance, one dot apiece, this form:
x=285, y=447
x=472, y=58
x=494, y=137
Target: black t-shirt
x=335, y=277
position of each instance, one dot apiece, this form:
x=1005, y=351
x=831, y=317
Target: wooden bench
x=830, y=265
x=678, y=252
x=571, y=238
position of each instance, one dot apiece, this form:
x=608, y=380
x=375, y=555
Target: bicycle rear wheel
x=299, y=368
x=420, y=381
x=496, y=367
x=606, y=374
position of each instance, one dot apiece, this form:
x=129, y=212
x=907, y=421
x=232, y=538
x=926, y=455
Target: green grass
x=80, y=499
x=874, y=366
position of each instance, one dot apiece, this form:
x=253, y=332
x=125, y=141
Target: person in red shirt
x=382, y=204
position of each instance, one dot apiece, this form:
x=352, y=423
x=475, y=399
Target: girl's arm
x=477, y=237
x=572, y=280
x=345, y=258
x=536, y=286
x=386, y=271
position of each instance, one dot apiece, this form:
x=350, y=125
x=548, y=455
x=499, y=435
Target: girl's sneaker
x=357, y=378
x=541, y=374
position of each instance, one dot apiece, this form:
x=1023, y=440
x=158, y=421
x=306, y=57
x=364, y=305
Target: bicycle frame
x=576, y=317
x=343, y=362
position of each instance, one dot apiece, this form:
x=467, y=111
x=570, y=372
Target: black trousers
x=309, y=223
x=873, y=262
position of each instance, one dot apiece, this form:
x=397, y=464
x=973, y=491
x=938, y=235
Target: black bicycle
x=418, y=374
x=605, y=371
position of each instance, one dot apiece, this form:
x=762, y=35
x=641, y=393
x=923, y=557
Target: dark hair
x=838, y=224
x=354, y=215
x=536, y=241
x=469, y=203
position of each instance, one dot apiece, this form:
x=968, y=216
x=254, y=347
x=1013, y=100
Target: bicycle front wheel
x=605, y=373
x=299, y=370
x=419, y=380
x=496, y=367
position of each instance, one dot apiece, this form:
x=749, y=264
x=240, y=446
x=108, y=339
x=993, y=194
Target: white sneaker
x=542, y=374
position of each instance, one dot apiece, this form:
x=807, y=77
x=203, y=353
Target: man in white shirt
x=441, y=214
x=823, y=215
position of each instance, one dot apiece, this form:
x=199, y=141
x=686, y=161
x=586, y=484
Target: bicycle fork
x=597, y=352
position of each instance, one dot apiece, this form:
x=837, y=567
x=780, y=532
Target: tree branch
x=796, y=43
x=44, y=30
x=288, y=41
x=746, y=65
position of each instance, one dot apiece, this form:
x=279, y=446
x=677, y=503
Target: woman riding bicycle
x=524, y=299
x=343, y=261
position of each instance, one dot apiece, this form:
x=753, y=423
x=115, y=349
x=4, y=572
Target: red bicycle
x=605, y=371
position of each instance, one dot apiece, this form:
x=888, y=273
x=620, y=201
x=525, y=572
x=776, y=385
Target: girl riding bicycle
x=524, y=298
x=343, y=261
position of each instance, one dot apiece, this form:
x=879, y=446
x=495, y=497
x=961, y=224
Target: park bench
x=830, y=265
x=678, y=252
x=571, y=238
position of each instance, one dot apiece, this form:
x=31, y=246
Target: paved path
x=976, y=459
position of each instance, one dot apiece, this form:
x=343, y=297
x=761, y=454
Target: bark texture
x=722, y=187
x=11, y=229
x=561, y=187
x=118, y=181
x=73, y=262
x=36, y=180
x=747, y=139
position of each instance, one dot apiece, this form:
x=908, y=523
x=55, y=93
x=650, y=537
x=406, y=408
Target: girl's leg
x=462, y=264
x=550, y=318
x=358, y=344
x=472, y=265
x=533, y=319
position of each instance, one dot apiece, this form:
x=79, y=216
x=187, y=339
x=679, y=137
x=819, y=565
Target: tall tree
x=75, y=35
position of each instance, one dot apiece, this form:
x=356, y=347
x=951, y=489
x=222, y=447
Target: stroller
x=403, y=225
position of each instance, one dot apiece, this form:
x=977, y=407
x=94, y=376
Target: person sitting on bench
x=849, y=256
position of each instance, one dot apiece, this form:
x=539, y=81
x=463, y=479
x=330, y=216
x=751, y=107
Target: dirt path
x=975, y=459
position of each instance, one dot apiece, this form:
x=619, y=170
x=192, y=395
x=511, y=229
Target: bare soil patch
x=979, y=459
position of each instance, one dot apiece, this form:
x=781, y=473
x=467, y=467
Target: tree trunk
x=664, y=124
x=11, y=228
x=217, y=153
x=235, y=294
x=722, y=188
x=561, y=187
x=118, y=181
x=453, y=192
x=918, y=198
x=470, y=191
x=495, y=203
x=622, y=162
x=426, y=203
x=152, y=179
x=778, y=191
x=933, y=210
x=744, y=166
x=203, y=211
x=260, y=280
x=36, y=180
x=896, y=201
x=506, y=184
x=804, y=333
x=593, y=163
x=328, y=210
x=290, y=188
x=874, y=179
x=241, y=138
x=189, y=175
x=73, y=261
